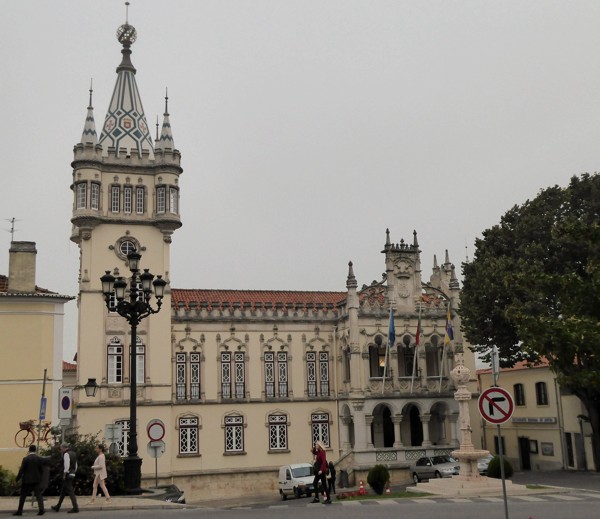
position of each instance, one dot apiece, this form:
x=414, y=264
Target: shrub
x=377, y=478
x=493, y=470
x=84, y=446
x=7, y=482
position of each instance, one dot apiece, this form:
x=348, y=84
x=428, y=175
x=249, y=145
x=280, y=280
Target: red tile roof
x=68, y=366
x=254, y=298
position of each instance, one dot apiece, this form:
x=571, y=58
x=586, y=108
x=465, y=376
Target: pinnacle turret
x=89, y=135
x=351, y=280
x=165, y=141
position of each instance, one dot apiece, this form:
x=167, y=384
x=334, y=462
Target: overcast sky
x=306, y=127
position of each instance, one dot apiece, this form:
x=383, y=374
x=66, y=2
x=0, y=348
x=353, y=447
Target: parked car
x=482, y=464
x=435, y=467
x=296, y=480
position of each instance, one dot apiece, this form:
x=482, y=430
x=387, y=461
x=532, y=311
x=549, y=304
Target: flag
x=449, y=331
x=392, y=330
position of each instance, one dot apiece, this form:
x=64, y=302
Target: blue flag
x=392, y=330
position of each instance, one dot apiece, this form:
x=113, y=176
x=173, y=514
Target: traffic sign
x=155, y=430
x=65, y=402
x=43, y=408
x=156, y=448
x=496, y=405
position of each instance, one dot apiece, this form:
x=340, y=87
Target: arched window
x=278, y=437
x=320, y=428
x=377, y=357
x=432, y=356
x=406, y=357
x=188, y=435
x=234, y=434
x=115, y=361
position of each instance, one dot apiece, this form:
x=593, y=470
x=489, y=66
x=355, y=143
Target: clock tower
x=125, y=198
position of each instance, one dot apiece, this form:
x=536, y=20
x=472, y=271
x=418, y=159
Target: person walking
x=331, y=477
x=320, y=469
x=69, y=458
x=30, y=472
x=100, y=475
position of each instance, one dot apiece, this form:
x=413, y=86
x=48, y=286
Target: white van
x=296, y=480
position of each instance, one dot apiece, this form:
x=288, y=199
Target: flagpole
x=390, y=343
x=412, y=380
x=447, y=340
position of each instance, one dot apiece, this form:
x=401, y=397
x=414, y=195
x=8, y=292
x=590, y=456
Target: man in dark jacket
x=31, y=475
x=69, y=469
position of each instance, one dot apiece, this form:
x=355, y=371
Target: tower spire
x=165, y=141
x=125, y=127
x=89, y=135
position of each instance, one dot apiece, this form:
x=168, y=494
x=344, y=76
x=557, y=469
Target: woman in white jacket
x=99, y=468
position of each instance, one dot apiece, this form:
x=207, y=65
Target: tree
x=533, y=290
x=84, y=446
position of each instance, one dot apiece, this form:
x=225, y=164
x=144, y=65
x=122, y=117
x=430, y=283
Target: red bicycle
x=26, y=435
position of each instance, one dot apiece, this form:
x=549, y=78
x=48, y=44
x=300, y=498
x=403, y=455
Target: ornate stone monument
x=469, y=481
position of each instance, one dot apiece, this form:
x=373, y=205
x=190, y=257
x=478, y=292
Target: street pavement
x=554, y=482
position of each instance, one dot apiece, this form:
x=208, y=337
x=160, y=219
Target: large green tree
x=533, y=289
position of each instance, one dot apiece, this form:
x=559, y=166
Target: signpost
x=496, y=406
x=156, y=447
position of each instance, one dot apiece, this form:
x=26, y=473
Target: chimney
x=21, y=266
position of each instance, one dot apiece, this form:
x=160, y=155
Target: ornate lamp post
x=133, y=310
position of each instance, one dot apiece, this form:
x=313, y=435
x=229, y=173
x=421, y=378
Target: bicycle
x=26, y=435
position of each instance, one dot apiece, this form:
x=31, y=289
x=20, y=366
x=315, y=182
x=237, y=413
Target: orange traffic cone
x=361, y=488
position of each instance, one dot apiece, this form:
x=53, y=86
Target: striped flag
x=449, y=331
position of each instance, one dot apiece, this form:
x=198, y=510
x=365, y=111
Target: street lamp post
x=133, y=310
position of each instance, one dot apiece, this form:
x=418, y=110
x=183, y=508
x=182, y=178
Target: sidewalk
x=9, y=504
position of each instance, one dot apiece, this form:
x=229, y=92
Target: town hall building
x=245, y=381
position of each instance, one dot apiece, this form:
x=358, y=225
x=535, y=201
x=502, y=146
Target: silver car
x=435, y=467
x=483, y=463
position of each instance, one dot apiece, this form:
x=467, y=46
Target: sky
x=306, y=127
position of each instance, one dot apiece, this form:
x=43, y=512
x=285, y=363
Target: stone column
x=344, y=436
x=425, y=422
x=397, y=431
x=368, y=422
x=360, y=433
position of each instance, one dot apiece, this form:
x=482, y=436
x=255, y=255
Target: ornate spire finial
x=127, y=12
x=91, y=92
x=435, y=265
x=415, y=242
x=351, y=281
x=156, y=127
x=447, y=259
x=166, y=101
